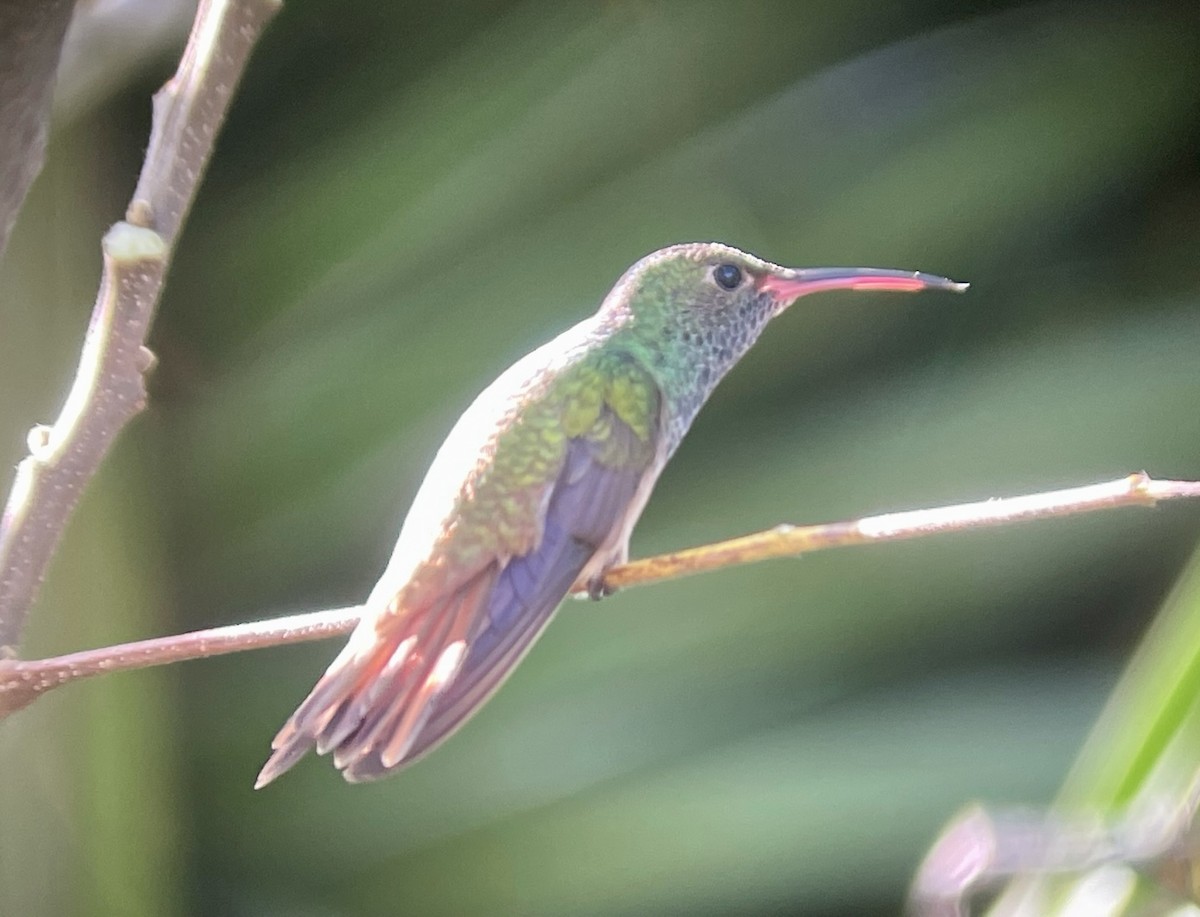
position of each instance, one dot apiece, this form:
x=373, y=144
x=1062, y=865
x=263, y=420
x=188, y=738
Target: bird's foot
x=598, y=589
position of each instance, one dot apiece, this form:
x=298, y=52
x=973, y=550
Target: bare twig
x=109, y=387
x=22, y=682
x=789, y=541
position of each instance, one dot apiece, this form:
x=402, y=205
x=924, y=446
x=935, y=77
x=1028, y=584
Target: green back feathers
x=606, y=398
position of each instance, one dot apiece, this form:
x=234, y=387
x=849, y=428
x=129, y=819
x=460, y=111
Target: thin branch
x=790, y=541
x=109, y=387
x=23, y=682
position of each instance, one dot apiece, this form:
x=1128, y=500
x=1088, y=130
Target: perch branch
x=22, y=682
x=791, y=541
x=109, y=387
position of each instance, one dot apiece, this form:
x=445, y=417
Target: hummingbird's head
x=696, y=308
x=727, y=295
x=727, y=284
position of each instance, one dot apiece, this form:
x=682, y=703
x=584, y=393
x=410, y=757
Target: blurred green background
x=406, y=198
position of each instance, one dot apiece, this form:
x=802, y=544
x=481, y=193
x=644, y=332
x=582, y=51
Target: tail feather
x=389, y=729
x=347, y=717
x=377, y=694
x=521, y=604
x=376, y=720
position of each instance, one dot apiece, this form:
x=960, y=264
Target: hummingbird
x=535, y=491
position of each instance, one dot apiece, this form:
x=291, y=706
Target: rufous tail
x=372, y=702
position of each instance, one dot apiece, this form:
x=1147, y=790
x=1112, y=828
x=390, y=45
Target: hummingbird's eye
x=727, y=276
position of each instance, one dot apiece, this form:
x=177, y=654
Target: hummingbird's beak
x=789, y=285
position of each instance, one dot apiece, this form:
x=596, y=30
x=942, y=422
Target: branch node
x=125, y=243
x=1140, y=484
x=38, y=441
x=140, y=213
x=146, y=360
